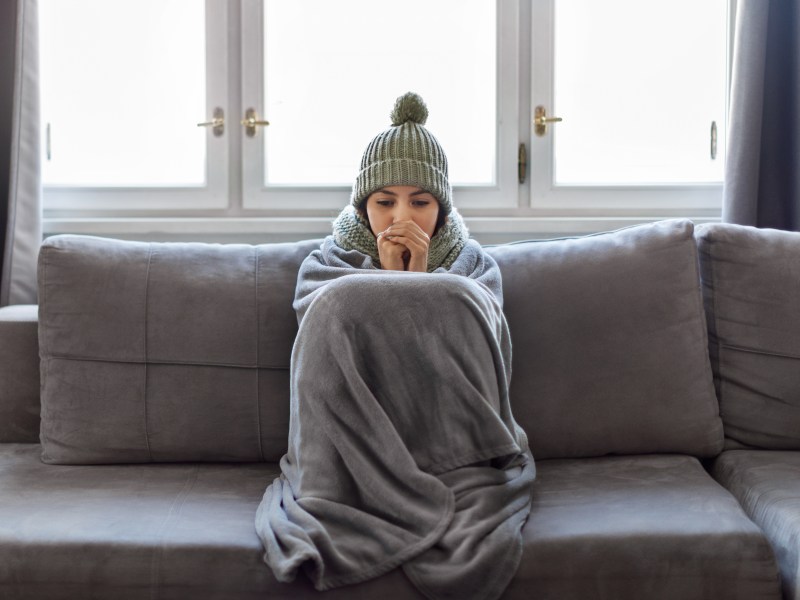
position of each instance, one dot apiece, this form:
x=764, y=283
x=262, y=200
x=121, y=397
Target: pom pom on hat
x=405, y=154
x=409, y=107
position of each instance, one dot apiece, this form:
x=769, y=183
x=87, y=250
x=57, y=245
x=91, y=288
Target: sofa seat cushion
x=655, y=527
x=166, y=531
x=636, y=527
x=767, y=483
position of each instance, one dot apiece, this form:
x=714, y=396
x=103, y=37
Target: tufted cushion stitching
x=258, y=348
x=759, y=351
x=144, y=390
x=150, y=361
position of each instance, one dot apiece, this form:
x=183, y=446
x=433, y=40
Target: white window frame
x=236, y=205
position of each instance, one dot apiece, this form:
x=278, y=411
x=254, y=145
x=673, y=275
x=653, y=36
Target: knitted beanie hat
x=405, y=154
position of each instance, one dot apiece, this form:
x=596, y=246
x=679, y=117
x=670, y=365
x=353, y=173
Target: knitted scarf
x=352, y=232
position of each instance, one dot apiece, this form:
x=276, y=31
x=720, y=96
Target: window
x=641, y=88
x=335, y=94
x=656, y=109
x=99, y=139
x=123, y=85
x=638, y=85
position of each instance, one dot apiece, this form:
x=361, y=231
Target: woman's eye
x=421, y=203
x=383, y=202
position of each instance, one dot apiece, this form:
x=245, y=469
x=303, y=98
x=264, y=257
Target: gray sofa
x=134, y=466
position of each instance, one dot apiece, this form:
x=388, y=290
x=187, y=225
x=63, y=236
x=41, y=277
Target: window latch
x=217, y=123
x=251, y=121
x=540, y=120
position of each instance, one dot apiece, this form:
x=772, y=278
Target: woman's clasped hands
x=403, y=246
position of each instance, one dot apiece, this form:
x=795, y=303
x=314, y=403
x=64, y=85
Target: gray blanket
x=403, y=451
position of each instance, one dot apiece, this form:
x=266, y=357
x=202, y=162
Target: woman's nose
x=401, y=213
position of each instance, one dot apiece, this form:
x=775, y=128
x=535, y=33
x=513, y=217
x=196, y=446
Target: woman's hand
x=403, y=246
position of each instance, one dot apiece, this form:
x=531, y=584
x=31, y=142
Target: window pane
x=123, y=87
x=334, y=69
x=638, y=84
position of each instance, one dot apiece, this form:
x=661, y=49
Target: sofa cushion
x=751, y=286
x=19, y=373
x=767, y=484
x=170, y=532
x=609, y=338
x=165, y=352
x=655, y=527
x=625, y=527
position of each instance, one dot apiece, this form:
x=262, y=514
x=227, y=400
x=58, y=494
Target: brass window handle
x=540, y=120
x=217, y=123
x=251, y=121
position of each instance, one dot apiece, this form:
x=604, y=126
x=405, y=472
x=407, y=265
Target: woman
x=403, y=451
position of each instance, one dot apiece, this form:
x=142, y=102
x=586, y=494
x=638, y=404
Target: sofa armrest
x=19, y=374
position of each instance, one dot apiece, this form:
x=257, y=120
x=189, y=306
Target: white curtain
x=22, y=220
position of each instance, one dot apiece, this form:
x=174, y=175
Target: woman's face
x=395, y=203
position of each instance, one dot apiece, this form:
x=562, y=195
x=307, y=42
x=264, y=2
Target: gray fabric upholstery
x=165, y=352
x=608, y=341
x=654, y=527
x=646, y=527
x=141, y=532
x=19, y=374
x=767, y=483
x=751, y=286
x=610, y=347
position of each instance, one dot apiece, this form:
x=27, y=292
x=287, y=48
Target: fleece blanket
x=403, y=451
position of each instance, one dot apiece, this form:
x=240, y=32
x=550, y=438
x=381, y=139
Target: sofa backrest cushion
x=609, y=343
x=751, y=287
x=165, y=351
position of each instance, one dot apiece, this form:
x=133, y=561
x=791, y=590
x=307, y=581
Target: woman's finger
x=408, y=234
x=390, y=254
x=416, y=236
x=405, y=227
x=403, y=239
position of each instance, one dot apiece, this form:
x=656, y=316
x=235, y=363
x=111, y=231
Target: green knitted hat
x=405, y=154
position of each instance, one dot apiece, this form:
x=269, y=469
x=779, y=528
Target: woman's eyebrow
x=420, y=193
x=384, y=191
